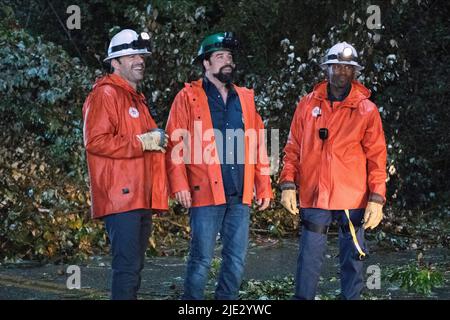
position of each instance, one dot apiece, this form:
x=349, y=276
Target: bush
x=414, y=278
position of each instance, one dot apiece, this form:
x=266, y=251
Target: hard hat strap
x=341, y=58
x=139, y=44
x=143, y=44
x=228, y=42
x=219, y=45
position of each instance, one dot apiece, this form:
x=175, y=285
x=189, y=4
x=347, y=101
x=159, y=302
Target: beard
x=341, y=82
x=225, y=77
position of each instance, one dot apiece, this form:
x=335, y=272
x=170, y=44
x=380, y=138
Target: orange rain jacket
x=122, y=176
x=190, y=111
x=347, y=168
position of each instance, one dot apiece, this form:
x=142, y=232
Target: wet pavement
x=162, y=277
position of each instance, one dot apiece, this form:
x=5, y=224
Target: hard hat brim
x=198, y=58
x=351, y=63
x=124, y=53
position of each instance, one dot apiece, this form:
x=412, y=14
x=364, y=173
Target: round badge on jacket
x=316, y=112
x=134, y=113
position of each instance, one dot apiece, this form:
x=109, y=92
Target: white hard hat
x=342, y=53
x=128, y=42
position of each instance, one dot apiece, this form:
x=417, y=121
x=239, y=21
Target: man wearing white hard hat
x=125, y=156
x=335, y=157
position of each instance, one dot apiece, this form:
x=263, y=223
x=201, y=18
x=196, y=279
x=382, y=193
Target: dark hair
x=108, y=65
x=206, y=56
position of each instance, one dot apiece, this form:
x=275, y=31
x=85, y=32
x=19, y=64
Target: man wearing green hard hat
x=218, y=188
x=216, y=42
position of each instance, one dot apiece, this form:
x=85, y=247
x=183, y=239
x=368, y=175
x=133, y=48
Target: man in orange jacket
x=124, y=151
x=336, y=157
x=215, y=160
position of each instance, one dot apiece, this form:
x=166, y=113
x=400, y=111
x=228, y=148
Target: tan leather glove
x=373, y=215
x=151, y=141
x=289, y=201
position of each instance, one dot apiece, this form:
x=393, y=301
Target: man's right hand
x=184, y=197
x=151, y=141
x=289, y=201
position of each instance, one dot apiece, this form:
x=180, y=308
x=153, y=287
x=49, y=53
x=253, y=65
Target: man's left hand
x=373, y=215
x=263, y=204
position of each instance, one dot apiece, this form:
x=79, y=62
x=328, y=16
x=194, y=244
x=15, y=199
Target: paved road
x=163, y=276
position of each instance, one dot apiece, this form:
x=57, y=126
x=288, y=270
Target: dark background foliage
x=46, y=71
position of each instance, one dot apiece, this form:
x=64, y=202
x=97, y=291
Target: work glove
x=373, y=215
x=154, y=140
x=289, y=201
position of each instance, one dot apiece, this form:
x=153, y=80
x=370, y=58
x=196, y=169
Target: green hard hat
x=216, y=42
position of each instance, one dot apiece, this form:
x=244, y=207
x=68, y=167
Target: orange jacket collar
x=357, y=93
x=118, y=81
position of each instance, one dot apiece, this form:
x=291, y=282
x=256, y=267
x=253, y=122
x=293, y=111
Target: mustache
x=228, y=66
x=138, y=65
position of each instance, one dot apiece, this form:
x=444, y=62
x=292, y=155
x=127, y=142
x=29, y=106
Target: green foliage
x=274, y=289
x=215, y=268
x=46, y=73
x=42, y=89
x=416, y=125
x=42, y=160
x=414, y=278
x=275, y=222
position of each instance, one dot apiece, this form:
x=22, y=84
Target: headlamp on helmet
x=341, y=53
x=143, y=42
x=345, y=55
x=229, y=41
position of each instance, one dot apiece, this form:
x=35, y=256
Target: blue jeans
x=128, y=233
x=232, y=221
x=312, y=252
